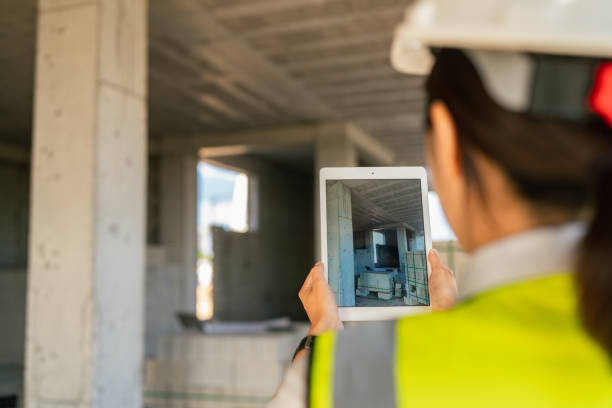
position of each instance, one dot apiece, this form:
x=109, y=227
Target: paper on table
x=259, y=326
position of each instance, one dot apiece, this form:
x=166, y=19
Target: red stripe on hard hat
x=600, y=100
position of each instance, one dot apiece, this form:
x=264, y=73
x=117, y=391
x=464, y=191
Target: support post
x=84, y=344
x=340, y=247
x=402, y=248
x=179, y=225
x=331, y=150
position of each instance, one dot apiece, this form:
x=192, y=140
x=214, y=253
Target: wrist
x=325, y=325
x=443, y=302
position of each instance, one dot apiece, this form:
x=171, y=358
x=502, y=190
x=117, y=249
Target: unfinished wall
x=266, y=267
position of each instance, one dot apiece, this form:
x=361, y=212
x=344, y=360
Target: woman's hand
x=320, y=303
x=442, y=285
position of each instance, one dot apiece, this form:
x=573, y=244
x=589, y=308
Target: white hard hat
x=567, y=27
x=519, y=49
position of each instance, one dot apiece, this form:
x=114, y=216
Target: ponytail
x=594, y=274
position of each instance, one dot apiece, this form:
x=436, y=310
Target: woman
x=527, y=190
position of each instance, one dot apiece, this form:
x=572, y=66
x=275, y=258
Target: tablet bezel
x=374, y=173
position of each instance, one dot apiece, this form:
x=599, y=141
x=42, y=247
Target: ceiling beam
x=244, y=65
x=278, y=135
x=217, y=105
x=225, y=143
x=369, y=147
x=253, y=102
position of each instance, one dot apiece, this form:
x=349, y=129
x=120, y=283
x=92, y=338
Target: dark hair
x=553, y=164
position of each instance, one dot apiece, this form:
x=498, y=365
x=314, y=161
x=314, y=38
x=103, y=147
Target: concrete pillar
x=371, y=247
x=340, y=248
x=417, y=243
x=336, y=151
x=333, y=148
x=87, y=229
x=171, y=266
x=402, y=248
x=179, y=224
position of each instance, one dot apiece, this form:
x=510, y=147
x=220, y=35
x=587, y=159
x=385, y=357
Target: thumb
x=434, y=259
x=318, y=272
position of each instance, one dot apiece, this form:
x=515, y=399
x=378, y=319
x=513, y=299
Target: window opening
x=223, y=201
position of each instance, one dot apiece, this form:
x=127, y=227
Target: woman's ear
x=444, y=142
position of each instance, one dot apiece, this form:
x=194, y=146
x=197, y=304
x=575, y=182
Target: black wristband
x=305, y=344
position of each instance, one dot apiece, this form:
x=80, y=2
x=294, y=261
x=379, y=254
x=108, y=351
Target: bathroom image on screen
x=376, y=243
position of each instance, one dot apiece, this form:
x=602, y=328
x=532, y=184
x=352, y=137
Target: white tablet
x=374, y=240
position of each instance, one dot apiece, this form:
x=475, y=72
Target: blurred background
x=159, y=193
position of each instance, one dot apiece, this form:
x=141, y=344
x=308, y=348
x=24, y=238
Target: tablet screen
x=376, y=243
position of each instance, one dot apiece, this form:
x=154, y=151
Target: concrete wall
x=164, y=286
x=266, y=267
x=363, y=258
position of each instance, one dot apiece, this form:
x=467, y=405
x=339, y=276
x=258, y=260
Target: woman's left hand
x=320, y=302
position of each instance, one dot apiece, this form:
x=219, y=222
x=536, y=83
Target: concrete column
x=417, y=243
x=179, y=224
x=336, y=151
x=332, y=149
x=172, y=263
x=87, y=229
x=402, y=248
x=340, y=247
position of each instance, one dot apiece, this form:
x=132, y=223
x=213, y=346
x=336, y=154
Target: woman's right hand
x=320, y=302
x=442, y=284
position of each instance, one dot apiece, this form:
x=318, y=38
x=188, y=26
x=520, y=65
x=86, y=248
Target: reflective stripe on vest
x=350, y=358
x=322, y=371
x=521, y=345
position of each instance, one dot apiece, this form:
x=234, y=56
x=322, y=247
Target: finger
x=317, y=273
x=310, y=278
x=307, y=284
x=434, y=259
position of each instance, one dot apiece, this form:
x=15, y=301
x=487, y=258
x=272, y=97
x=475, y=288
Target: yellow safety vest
x=518, y=346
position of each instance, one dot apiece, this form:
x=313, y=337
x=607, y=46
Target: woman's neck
x=509, y=218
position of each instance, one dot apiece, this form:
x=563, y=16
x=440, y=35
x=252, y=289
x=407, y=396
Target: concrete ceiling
x=380, y=204
x=221, y=65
